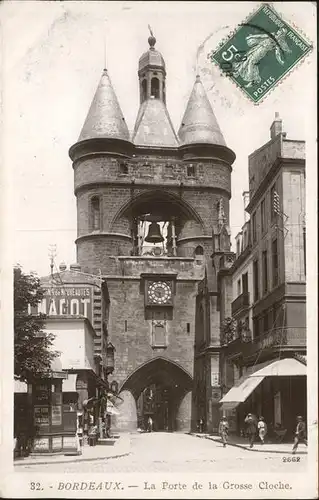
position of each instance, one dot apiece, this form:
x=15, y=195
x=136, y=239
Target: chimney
x=75, y=267
x=62, y=266
x=246, y=202
x=276, y=127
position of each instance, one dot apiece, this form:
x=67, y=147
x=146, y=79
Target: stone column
x=183, y=418
x=174, y=251
x=126, y=421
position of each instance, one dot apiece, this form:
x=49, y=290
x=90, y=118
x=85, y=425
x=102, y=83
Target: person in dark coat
x=300, y=434
x=251, y=428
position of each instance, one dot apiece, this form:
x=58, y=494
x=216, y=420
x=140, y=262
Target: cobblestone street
x=167, y=452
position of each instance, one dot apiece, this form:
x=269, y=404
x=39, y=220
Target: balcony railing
x=285, y=337
x=280, y=337
x=242, y=335
x=242, y=302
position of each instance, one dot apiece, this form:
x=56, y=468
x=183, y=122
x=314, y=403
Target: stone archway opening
x=161, y=390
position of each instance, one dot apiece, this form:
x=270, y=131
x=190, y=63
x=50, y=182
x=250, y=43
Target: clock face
x=159, y=292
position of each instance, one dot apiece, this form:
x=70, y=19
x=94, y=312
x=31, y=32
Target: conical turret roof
x=153, y=126
x=105, y=118
x=199, y=124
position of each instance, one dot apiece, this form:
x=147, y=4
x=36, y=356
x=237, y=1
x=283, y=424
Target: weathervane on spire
x=151, y=39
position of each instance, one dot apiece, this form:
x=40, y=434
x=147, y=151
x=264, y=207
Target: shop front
x=53, y=419
x=277, y=392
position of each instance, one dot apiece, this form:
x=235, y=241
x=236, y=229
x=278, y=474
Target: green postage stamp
x=261, y=52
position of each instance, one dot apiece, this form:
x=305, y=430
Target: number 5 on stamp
x=261, y=52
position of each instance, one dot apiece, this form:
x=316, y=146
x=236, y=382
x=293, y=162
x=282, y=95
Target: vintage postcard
x=158, y=250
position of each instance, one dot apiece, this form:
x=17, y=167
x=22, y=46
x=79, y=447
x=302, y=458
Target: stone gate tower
x=146, y=207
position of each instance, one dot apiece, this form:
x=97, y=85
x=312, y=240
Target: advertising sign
x=72, y=300
x=42, y=393
x=56, y=398
x=56, y=413
x=41, y=444
x=57, y=443
x=41, y=416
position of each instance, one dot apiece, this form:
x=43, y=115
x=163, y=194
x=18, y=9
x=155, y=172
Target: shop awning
x=239, y=394
x=69, y=384
x=288, y=367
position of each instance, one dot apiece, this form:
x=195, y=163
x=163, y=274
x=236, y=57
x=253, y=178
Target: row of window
x=242, y=241
x=190, y=168
x=274, y=210
x=265, y=274
x=270, y=319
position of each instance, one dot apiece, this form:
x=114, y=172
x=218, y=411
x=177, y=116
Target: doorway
x=160, y=388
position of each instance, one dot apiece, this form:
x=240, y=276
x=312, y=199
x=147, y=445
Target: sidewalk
x=120, y=448
x=240, y=442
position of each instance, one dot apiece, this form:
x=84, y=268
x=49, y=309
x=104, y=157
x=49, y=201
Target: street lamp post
x=110, y=350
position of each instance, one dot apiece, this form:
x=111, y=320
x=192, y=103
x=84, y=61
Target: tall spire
x=153, y=126
x=105, y=118
x=199, y=124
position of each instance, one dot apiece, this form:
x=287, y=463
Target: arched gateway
x=160, y=389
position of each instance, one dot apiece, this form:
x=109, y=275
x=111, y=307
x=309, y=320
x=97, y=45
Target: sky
x=53, y=57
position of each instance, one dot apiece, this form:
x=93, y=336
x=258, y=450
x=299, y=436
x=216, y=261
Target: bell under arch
x=158, y=213
x=158, y=201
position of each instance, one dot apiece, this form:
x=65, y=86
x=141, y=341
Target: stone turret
x=105, y=118
x=100, y=158
x=199, y=130
x=104, y=128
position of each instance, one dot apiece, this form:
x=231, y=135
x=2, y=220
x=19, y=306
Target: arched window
x=95, y=213
x=144, y=90
x=155, y=88
x=169, y=169
x=199, y=250
x=164, y=93
x=123, y=168
x=191, y=170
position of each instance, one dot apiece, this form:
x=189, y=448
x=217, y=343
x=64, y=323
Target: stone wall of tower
x=131, y=332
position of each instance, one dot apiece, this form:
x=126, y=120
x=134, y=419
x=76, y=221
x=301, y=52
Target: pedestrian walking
x=251, y=428
x=223, y=430
x=262, y=429
x=300, y=434
x=149, y=424
x=201, y=425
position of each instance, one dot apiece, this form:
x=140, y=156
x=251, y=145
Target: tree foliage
x=33, y=351
x=228, y=330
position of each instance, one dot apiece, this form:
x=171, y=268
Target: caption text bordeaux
x=167, y=486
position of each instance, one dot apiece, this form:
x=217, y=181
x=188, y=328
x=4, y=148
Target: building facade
x=147, y=204
x=56, y=407
x=73, y=303
x=267, y=338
